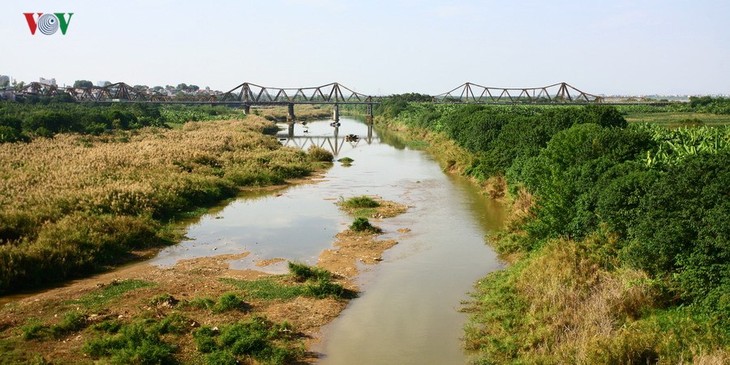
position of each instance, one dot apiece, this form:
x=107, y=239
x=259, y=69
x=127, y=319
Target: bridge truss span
x=332, y=93
x=556, y=93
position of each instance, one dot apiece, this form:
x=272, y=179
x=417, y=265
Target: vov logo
x=48, y=23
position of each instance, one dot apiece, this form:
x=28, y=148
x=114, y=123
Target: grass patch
x=228, y=302
x=102, y=296
x=324, y=288
x=679, y=119
x=265, y=288
x=346, y=161
x=70, y=322
x=302, y=272
x=257, y=338
x=311, y=282
x=164, y=299
x=319, y=154
x=140, y=342
x=200, y=303
x=359, y=202
x=361, y=224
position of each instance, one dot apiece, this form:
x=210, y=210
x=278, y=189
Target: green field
x=677, y=119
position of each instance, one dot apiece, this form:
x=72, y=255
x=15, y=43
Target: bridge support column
x=290, y=116
x=369, y=112
x=336, y=113
x=291, y=129
x=246, y=109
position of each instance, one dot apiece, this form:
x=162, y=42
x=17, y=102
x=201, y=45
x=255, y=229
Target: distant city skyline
x=378, y=47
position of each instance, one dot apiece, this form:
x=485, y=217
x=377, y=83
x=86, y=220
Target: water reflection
x=304, y=135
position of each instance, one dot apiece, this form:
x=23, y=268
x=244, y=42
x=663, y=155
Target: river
x=408, y=310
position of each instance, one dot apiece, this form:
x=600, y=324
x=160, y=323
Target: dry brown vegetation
x=74, y=203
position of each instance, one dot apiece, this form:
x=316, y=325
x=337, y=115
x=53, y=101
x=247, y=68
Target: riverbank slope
x=616, y=238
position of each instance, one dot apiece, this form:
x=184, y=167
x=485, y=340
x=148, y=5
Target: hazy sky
x=379, y=47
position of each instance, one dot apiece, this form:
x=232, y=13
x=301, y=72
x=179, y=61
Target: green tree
x=83, y=84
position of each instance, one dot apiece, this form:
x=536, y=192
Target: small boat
x=352, y=138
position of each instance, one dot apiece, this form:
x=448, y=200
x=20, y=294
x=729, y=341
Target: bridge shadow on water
x=332, y=136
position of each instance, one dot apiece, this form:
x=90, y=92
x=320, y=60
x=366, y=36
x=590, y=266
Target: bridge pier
x=369, y=112
x=246, y=109
x=336, y=113
x=290, y=131
x=290, y=115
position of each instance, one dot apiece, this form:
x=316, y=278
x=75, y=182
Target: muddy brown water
x=408, y=310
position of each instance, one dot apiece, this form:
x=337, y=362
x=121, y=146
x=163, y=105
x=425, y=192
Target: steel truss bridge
x=249, y=94
x=555, y=93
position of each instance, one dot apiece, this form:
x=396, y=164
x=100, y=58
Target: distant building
x=49, y=82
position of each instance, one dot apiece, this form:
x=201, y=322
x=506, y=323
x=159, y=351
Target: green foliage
x=21, y=121
x=361, y=224
x=681, y=228
x=362, y=201
x=673, y=145
x=265, y=288
x=319, y=154
x=200, y=303
x=709, y=104
x=228, y=302
x=346, y=161
x=323, y=288
x=256, y=338
x=393, y=105
x=500, y=327
x=109, y=292
x=70, y=322
x=34, y=330
x=136, y=343
x=108, y=326
x=302, y=272
x=565, y=175
x=72, y=246
x=312, y=282
x=658, y=198
x=140, y=342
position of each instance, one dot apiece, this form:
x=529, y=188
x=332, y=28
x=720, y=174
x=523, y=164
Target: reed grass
x=72, y=204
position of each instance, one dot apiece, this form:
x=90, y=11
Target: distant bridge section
x=332, y=93
x=555, y=93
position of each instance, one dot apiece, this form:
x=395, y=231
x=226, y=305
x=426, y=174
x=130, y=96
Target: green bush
x=320, y=154
x=361, y=224
x=257, y=338
x=139, y=342
x=323, y=288
x=680, y=226
x=302, y=272
x=362, y=201
x=228, y=302
x=658, y=197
